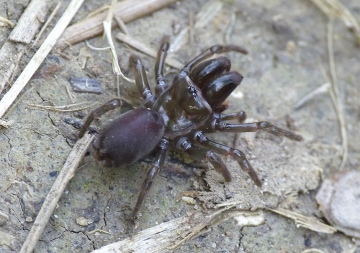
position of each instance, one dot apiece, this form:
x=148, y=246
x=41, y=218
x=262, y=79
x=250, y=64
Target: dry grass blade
x=67, y=172
x=107, y=32
x=335, y=96
x=46, y=24
x=62, y=108
x=4, y=21
x=306, y=222
x=335, y=9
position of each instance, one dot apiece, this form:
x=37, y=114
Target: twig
x=13, y=49
x=181, y=229
x=67, y=172
x=146, y=50
x=127, y=10
x=243, y=217
x=39, y=56
x=30, y=21
x=148, y=239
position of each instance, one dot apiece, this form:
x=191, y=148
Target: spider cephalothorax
x=181, y=113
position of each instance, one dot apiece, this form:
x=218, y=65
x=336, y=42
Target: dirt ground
x=287, y=44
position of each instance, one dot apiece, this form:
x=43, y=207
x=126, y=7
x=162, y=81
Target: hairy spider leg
x=163, y=147
x=110, y=105
x=203, y=140
x=217, y=49
x=198, y=152
x=141, y=80
x=161, y=86
x=224, y=126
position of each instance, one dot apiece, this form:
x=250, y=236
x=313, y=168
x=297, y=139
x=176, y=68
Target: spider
x=180, y=114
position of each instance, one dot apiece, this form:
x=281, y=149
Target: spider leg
x=199, y=152
x=141, y=80
x=110, y=105
x=219, y=165
x=212, y=124
x=161, y=86
x=240, y=116
x=217, y=49
x=223, y=126
x=159, y=163
x=239, y=156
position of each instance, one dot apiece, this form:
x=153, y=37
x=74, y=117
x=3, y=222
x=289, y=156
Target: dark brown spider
x=180, y=113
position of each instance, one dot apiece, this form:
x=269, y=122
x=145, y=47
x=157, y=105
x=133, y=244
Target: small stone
x=7, y=239
x=29, y=219
x=291, y=46
x=228, y=234
x=82, y=221
x=339, y=201
x=188, y=200
x=3, y=218
x=85, y=85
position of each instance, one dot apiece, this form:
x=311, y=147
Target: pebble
x=3, y=218
x=339, y=201
x=82, y=221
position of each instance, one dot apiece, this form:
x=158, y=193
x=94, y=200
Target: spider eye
x=192, y=91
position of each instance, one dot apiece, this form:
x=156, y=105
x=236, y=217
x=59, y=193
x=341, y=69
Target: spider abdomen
x=128, y=138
